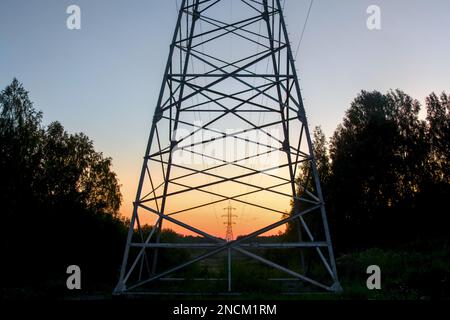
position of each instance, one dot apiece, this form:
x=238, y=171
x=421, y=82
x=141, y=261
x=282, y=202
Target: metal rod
x=244, y=245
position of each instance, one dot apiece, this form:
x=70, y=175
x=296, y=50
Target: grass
x=411, y=272
x=417, y=271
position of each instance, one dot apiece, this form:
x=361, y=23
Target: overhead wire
x=304, y=28
x=197, y=114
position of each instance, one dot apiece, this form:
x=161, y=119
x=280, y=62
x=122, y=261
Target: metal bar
x=216, y=75
x=232, y=179
x=121, y=285
x=229, y=269
x=230, y=244
x=230, y=96
x=194, y=279
x=181, y=266
x=234, y=25
x=182, y=224
x=255, y=245
x=314, y=167
x=177, y=115
x=209, y=6
x=236, y=93
x=235, y=163
x=251, y=6
x=225, y=198
x=226, y=26
x=276, y=67
x=281, y=268
x=130, y=271
x=311, y=237
x=233, y=64
x=225, y=77
x=247, y=101
x=215, y=22
x=233, y=134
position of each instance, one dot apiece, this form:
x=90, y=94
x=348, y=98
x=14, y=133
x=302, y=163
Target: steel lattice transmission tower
x=229, y=126
x=229, y=223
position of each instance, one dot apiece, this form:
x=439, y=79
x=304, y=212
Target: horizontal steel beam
x=203, y=75
x=245, y=245
x=194, y=279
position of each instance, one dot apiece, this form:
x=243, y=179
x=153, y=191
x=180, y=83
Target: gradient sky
x=104, y=79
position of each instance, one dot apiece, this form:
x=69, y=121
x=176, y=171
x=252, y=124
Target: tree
x=438, y=133
x=60, y=199
x=435, y=188
x=386, y=179
x=72, y=168
x=50, y=163
x=320, y=149
x=20, y=137
x=305, y=180
x=377, y=156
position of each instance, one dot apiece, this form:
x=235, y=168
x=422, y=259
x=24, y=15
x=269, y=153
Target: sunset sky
x=104, y=79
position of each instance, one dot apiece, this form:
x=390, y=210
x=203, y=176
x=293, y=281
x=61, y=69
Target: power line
x=304, y=28
x=208, y=178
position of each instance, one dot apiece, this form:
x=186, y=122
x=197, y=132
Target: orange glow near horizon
x=210, y=219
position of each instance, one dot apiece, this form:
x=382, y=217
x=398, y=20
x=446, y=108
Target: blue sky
x=104, y=79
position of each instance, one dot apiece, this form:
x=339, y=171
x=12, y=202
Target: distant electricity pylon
x=229, y=127
x=229, y=223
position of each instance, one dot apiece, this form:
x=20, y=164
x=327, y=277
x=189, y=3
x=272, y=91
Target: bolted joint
x=265, y=15
x=196, y=15
x=120, y=288
x=158, y=115
x=301, y=115
x=173, y=145
x=286, y=146
x=336, y=287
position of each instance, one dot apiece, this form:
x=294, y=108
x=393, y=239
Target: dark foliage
x=389, y=171
x=386, y=176
x=60, y=202
x=385, y=173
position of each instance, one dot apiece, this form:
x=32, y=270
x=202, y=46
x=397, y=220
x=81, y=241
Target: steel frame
x=182, y=94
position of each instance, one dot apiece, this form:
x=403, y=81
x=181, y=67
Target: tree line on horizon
x=384, y=174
